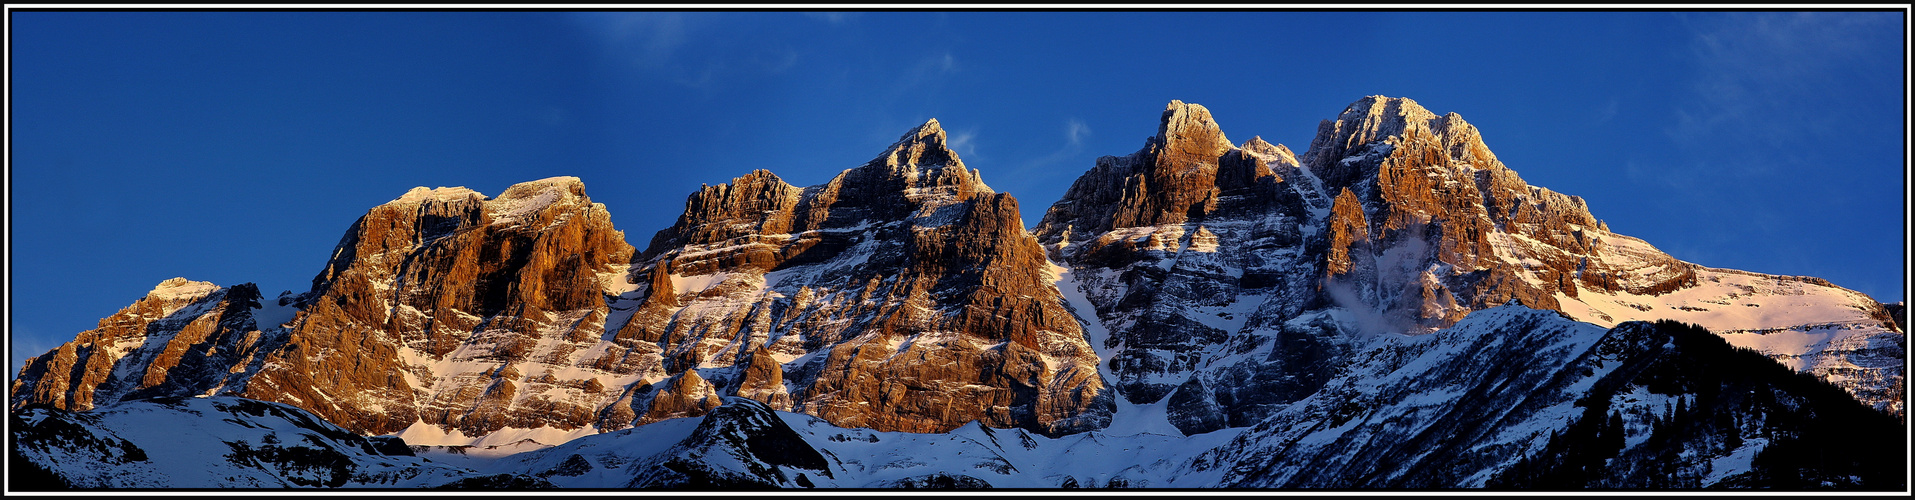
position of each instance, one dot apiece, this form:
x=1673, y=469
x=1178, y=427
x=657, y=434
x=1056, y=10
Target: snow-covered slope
x=746, y=443
x=1515, y=397
x=219, y=442
x=1340, y=314
x=1510, y=397
x=903, y=294
x=183, y=338
x=1235, y=279
x=1807, y=324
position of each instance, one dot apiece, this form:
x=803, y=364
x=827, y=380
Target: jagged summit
x=1368, y=128
x=929, y=128
x=905, y=279
x=919, y=175
x=1231, y=278
x=560, y=185
x=1189, y=170
x=925, y=151
x=440, y=194
x=1189, y=136
x=1220, y=283
x=565, y=184
x=176, y=288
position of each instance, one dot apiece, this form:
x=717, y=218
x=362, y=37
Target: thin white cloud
x=649, y=39
x=25, y=344
x=964, y=143
x=833, y=18
x=552, y=115
x=1762, y=85
x=775, y=60
x=924, y=77
x=1076, y=130
x=687, y=49
x=1608, y=110
x=1751, y=69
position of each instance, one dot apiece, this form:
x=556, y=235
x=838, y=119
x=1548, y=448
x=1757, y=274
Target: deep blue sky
x=237, y=147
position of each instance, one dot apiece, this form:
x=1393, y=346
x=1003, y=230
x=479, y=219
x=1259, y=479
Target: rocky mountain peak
x=422, y=194
x=561, y=187
x=925, y=146
x=1225, y=283
x=1349, y=148
x=755, y=203
x=929, y=130
x=1189, y=136
x=1186, y=172
x=1397, y=216
x=907, y=257
x=182, y=289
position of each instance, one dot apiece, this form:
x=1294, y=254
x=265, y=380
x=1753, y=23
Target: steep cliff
x=183, y=338
x=903, y=294
x=1195, y=283
x=1204, y=261
x=434, y=310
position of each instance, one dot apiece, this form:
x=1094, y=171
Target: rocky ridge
x=1225, y=283
x=207, y=330
x=1510, y=397
x=902, y=295
x=428, y=312
x=218, y=442
x=1395, y=220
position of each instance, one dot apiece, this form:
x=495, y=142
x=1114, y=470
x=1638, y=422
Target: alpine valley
x=1393, y=308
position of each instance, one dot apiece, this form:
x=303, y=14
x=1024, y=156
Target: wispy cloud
x=1607, y=111
x=682, y=48
x=26, y=344
x=1753, y=70
x=923, y=79
x=931, y=67
x=646, y=38
x=1680, y=179
x=833, y=18
x=1075, y=131
x=964, y=143
x=552, y=115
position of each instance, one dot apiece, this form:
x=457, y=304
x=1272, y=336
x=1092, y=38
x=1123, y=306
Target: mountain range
x=1394, y=308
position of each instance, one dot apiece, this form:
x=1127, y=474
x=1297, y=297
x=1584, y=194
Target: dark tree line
x=1816, y=435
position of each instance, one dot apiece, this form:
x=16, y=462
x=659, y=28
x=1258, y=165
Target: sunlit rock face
x=1235, y=279
x=442, y=308
x=904, y=294
x=1223, y=281
x=181, y=336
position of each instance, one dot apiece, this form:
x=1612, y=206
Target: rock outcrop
x=1208, y=262
x=452, y=310
x=904, y=294
x=1223, y=281
x=1518, y=398
x=217, y=442
x=441, y=308
x=181, y=339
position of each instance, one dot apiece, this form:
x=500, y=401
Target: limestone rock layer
x=903, y=295
x=1236, y=280
x=1223, y=280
